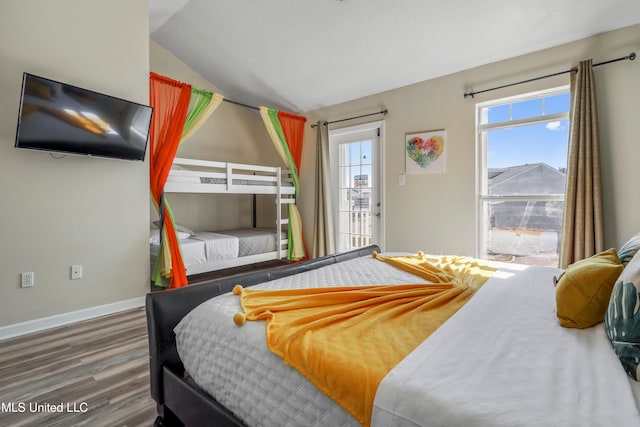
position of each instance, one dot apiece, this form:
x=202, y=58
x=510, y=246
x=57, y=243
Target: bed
x=509, y=364
x=204, y=251
x=210, y=250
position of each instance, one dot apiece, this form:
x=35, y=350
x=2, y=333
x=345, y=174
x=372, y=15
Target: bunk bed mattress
x=236, y=368
x=501, y=360
x=204, y=247
x=218, y=246
x=252, y=241
x=193, y=251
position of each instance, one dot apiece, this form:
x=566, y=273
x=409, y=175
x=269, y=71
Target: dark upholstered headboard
x=165, y=309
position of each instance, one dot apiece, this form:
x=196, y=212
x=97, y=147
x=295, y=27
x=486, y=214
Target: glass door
x=356, y=168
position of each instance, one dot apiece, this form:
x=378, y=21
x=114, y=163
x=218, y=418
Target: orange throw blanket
x=346, y=339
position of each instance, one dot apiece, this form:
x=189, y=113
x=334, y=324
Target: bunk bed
x=210, y=250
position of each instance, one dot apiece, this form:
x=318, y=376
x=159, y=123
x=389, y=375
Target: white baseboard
x=37, y=325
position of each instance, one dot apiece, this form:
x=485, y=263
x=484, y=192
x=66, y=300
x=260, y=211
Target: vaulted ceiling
x=301, y=55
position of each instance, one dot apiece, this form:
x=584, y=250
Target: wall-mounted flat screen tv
x=58, y=117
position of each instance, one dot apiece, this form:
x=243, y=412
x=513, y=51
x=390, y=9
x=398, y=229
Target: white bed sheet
x=218, y=246
x=205, y=248
x=193, y=251
x=513, y=366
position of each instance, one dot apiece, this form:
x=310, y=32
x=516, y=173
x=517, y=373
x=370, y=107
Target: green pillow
x=629, y=249
x=622, y=321
x=584, y=290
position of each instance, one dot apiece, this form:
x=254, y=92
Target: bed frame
x=234, y=178
x=257, y=179
x=179, y=401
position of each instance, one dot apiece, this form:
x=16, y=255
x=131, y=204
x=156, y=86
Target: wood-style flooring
x=92, y=373
x=98, y=370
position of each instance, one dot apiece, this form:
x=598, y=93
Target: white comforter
x=503, y=360
x=235, y=366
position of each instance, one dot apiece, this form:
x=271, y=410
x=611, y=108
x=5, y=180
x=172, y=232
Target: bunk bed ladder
x=279, y=219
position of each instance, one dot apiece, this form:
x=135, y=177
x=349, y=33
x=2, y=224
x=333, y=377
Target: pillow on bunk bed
x=622, y=320
x=154, y=239
x=584, y=289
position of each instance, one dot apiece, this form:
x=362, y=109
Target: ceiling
x=301, y=55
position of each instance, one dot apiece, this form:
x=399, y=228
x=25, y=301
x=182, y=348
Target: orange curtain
x=293, y=129
x=170, y=101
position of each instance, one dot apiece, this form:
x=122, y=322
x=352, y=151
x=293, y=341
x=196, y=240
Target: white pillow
x=155, y=236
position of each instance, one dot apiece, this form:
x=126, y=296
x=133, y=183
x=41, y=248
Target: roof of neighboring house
x=500, y=175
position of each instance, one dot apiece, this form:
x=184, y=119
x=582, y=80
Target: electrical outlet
x=76, y=272
x=27, y=280
x=401, y=179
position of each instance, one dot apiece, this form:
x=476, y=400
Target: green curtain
x=202, y=103
x=288, y=143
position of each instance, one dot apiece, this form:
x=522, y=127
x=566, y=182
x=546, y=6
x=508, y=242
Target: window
x=522, y=161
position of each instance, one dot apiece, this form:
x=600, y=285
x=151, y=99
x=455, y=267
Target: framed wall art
x=425, y=152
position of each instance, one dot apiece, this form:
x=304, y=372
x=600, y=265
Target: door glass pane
x=365, y=153
x=343, y=155
x=345, y=223
x=343, y=178
x=343, y=241
x=354, y=153
x=365, y=170
x=356, y=192
x=344, y=199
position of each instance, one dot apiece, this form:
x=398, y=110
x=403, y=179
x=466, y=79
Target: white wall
x=437, y=212
x=74, y=210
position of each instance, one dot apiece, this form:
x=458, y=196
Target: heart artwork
x=425, y=151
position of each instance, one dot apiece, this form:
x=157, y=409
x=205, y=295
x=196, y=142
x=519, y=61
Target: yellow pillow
x=584, y=289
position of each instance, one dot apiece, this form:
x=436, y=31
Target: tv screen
x=59, y=117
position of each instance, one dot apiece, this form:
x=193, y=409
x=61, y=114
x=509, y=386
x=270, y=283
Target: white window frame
x=482, y=195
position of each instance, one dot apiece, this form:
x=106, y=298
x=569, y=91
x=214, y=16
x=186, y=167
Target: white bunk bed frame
x=234, y=178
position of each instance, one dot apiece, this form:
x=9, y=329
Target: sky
x=539, y=143
x=358, y=154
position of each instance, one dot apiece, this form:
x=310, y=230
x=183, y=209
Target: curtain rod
x=241, y=104
x=384, y=112
x=629, y=57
